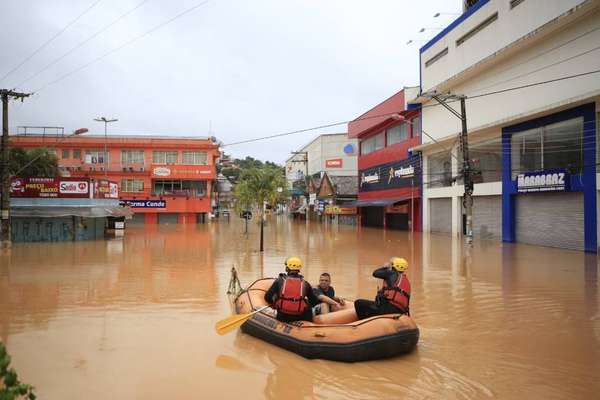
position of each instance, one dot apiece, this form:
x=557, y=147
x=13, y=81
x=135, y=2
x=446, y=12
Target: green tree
x=257, y=187
x=11, y=388
x=32, y=163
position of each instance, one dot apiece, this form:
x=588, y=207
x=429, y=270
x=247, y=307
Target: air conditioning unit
x=141, y=169
x=124, y=169
x=130, y=169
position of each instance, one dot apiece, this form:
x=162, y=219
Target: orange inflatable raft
x=335, y=336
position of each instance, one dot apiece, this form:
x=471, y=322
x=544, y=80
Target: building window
x=558, y=145
x=439, y=170
x=77, y=154
x=514, y=3
x=164, y=157
x=65, y=153
x=194, y=157
x=132, y=185
x=132, y=157
x=372, y=144
x=179, y=188
x=488, y=21
x=397, y=134
x=95, y=157
x=436, y=57
x=416, y=126
x=487, y=160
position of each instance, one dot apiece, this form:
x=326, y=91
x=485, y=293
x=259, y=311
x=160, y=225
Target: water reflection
x=134, y=318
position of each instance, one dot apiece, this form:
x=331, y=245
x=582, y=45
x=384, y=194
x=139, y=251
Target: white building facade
x=331, y=153
x=530, y=71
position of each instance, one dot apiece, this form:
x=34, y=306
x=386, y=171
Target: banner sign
x=50, y=187
x=334, y=163
x=555, y=180
x=397, y=174
x=337, y=210
x=144, y=203
x=104, y=189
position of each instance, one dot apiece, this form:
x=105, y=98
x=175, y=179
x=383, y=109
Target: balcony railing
x=179, y=193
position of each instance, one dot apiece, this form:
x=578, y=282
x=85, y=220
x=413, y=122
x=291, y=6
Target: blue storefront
x=549, y=180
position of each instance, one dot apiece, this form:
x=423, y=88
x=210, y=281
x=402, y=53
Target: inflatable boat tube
x=334, y=336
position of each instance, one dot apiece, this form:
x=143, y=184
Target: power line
x=432, y=105
x=181, y=14
x=46, y=43
x=94, y=35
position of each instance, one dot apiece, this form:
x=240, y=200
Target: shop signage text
x=50, y=187
x=543, y=181
x=144, y=203
x=334, y=163
x=397, y=174
x=337, y=210
x=161, y=171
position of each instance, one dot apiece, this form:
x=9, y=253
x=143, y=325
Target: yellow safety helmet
x=399, y=264
x=293, y=263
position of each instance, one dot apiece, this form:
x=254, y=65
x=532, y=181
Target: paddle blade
x=231, y=323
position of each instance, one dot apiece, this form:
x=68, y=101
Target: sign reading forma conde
x=50, y=187
x=397, y=174
x=143, y=203
x=556, y=180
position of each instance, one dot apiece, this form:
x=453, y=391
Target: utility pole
x=467, y=168
x=6, y=95
x=106, y=122
x=305, y=161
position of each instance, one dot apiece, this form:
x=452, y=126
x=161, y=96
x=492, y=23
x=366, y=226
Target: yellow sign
x=337, y=210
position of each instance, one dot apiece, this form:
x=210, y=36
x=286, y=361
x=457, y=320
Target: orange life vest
x=399, y=294
x=291, y=296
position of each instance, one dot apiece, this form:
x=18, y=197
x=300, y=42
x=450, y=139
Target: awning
x=374, y=202
x=71, y=211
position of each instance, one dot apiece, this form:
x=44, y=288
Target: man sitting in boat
x=393, y=297
x=291, y=295
x=328, y=301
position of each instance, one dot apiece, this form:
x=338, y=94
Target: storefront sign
x=50, y=187
x=556, y=180
x=335, y=163
x=337, y=210
x=372, y=177
x=397, y=174
x=144, y=203
x=161, y=171
x=104, y=189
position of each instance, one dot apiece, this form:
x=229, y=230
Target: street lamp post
x=106, y=122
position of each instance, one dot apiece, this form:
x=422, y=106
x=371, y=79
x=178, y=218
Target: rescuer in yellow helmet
x=291, y=295
x=393, y=297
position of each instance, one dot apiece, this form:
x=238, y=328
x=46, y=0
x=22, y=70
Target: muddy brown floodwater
x=133, y=318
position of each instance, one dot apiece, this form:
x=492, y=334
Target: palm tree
x=257, y=187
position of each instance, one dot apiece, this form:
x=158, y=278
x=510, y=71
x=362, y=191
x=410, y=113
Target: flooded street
x=134, y=318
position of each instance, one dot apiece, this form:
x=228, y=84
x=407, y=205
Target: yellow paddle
x=231, y=323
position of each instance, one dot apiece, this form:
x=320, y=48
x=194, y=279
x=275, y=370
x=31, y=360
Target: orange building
x=163, y=179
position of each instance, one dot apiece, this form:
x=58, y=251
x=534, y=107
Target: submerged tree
x=257, y=188
x=10, y=387
x=38, y=162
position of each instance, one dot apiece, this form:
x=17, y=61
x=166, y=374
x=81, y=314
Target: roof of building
x=312, y=141
x=345, y=185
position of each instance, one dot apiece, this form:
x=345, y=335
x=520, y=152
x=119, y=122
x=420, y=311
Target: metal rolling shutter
x=138, y=218
x=550, y=219
x=167, y=218
x=487, y=217
x=440, y=212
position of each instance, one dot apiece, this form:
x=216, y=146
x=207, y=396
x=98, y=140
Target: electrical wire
x=80, y=44
x=46, y=43
x=155, y=28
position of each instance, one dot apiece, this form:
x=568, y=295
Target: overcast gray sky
x=247, y=68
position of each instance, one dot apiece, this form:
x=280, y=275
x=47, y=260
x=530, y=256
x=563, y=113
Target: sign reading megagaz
x=397, y=174
x=556, y=180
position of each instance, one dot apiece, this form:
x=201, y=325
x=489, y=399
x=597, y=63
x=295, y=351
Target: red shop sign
x=50, y=187
x=334, y=163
